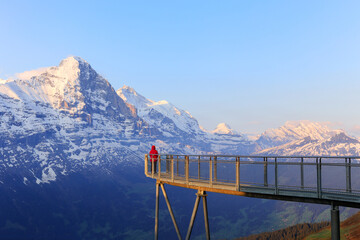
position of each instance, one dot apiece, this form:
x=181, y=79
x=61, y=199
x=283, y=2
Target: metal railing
x=321, y=177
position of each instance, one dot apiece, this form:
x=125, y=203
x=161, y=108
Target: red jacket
x=153, y=154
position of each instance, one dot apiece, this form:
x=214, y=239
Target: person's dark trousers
x=151, y=163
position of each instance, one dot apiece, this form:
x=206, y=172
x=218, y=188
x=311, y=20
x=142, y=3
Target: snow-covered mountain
x=305, y=138
x=337, y=145
x=179, y=127
x=223, y=128
x=59, y=118
x=295, y=130
x=164, y=116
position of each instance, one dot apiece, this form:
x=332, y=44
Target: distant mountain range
x=59, y=118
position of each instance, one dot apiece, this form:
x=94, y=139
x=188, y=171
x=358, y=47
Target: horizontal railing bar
x=268, y=162
x=260, y=156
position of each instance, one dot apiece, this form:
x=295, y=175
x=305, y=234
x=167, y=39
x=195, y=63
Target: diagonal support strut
x=199, y=194
x=158, y=185
x=170, y=211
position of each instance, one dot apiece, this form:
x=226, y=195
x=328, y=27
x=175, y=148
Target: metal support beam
x=206, y=218
x=193, y=217
x=170, y=211
x=157, y=212
x=199, y=194
x=335, y=222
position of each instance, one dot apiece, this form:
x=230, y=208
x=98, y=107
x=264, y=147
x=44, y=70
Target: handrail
x=262, y=156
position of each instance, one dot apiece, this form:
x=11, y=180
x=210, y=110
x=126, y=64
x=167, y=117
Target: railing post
x=187, y=169
x=318, y=176
x=198, y=167
x=237, y=174
x=302, y=173
x=146, y=165
x=265, y=172
x=348, y=174
x=215, y=168
x=167, y=163
x=159, y=167
x=172, y=167
x=177, y=165
x=210, y=172
x=276, y=177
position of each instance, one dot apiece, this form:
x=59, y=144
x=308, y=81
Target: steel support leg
x=157, y=211
x=193, y=217
x=206, y=218
x=170, y=211
x=335, y=222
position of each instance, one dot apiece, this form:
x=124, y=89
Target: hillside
x=350, y=230
x=299, y=231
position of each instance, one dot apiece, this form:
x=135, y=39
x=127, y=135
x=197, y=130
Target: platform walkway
x=309, y=179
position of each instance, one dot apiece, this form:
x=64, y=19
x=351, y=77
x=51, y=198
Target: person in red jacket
x=153, y=157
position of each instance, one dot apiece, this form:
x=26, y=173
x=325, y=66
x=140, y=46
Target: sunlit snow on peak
x=223, y=128
x=161, y=102
x=72, y=60
x=29, y=74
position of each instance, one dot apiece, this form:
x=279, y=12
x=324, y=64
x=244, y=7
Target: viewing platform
x=309, y=179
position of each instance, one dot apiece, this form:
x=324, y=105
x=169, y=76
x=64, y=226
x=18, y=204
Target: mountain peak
x=68, y=68
x=129, y=95
x=73, y=86
x=73, y=60
x=223, y=128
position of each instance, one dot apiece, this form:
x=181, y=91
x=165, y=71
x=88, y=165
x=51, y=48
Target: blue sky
x=251, y=64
